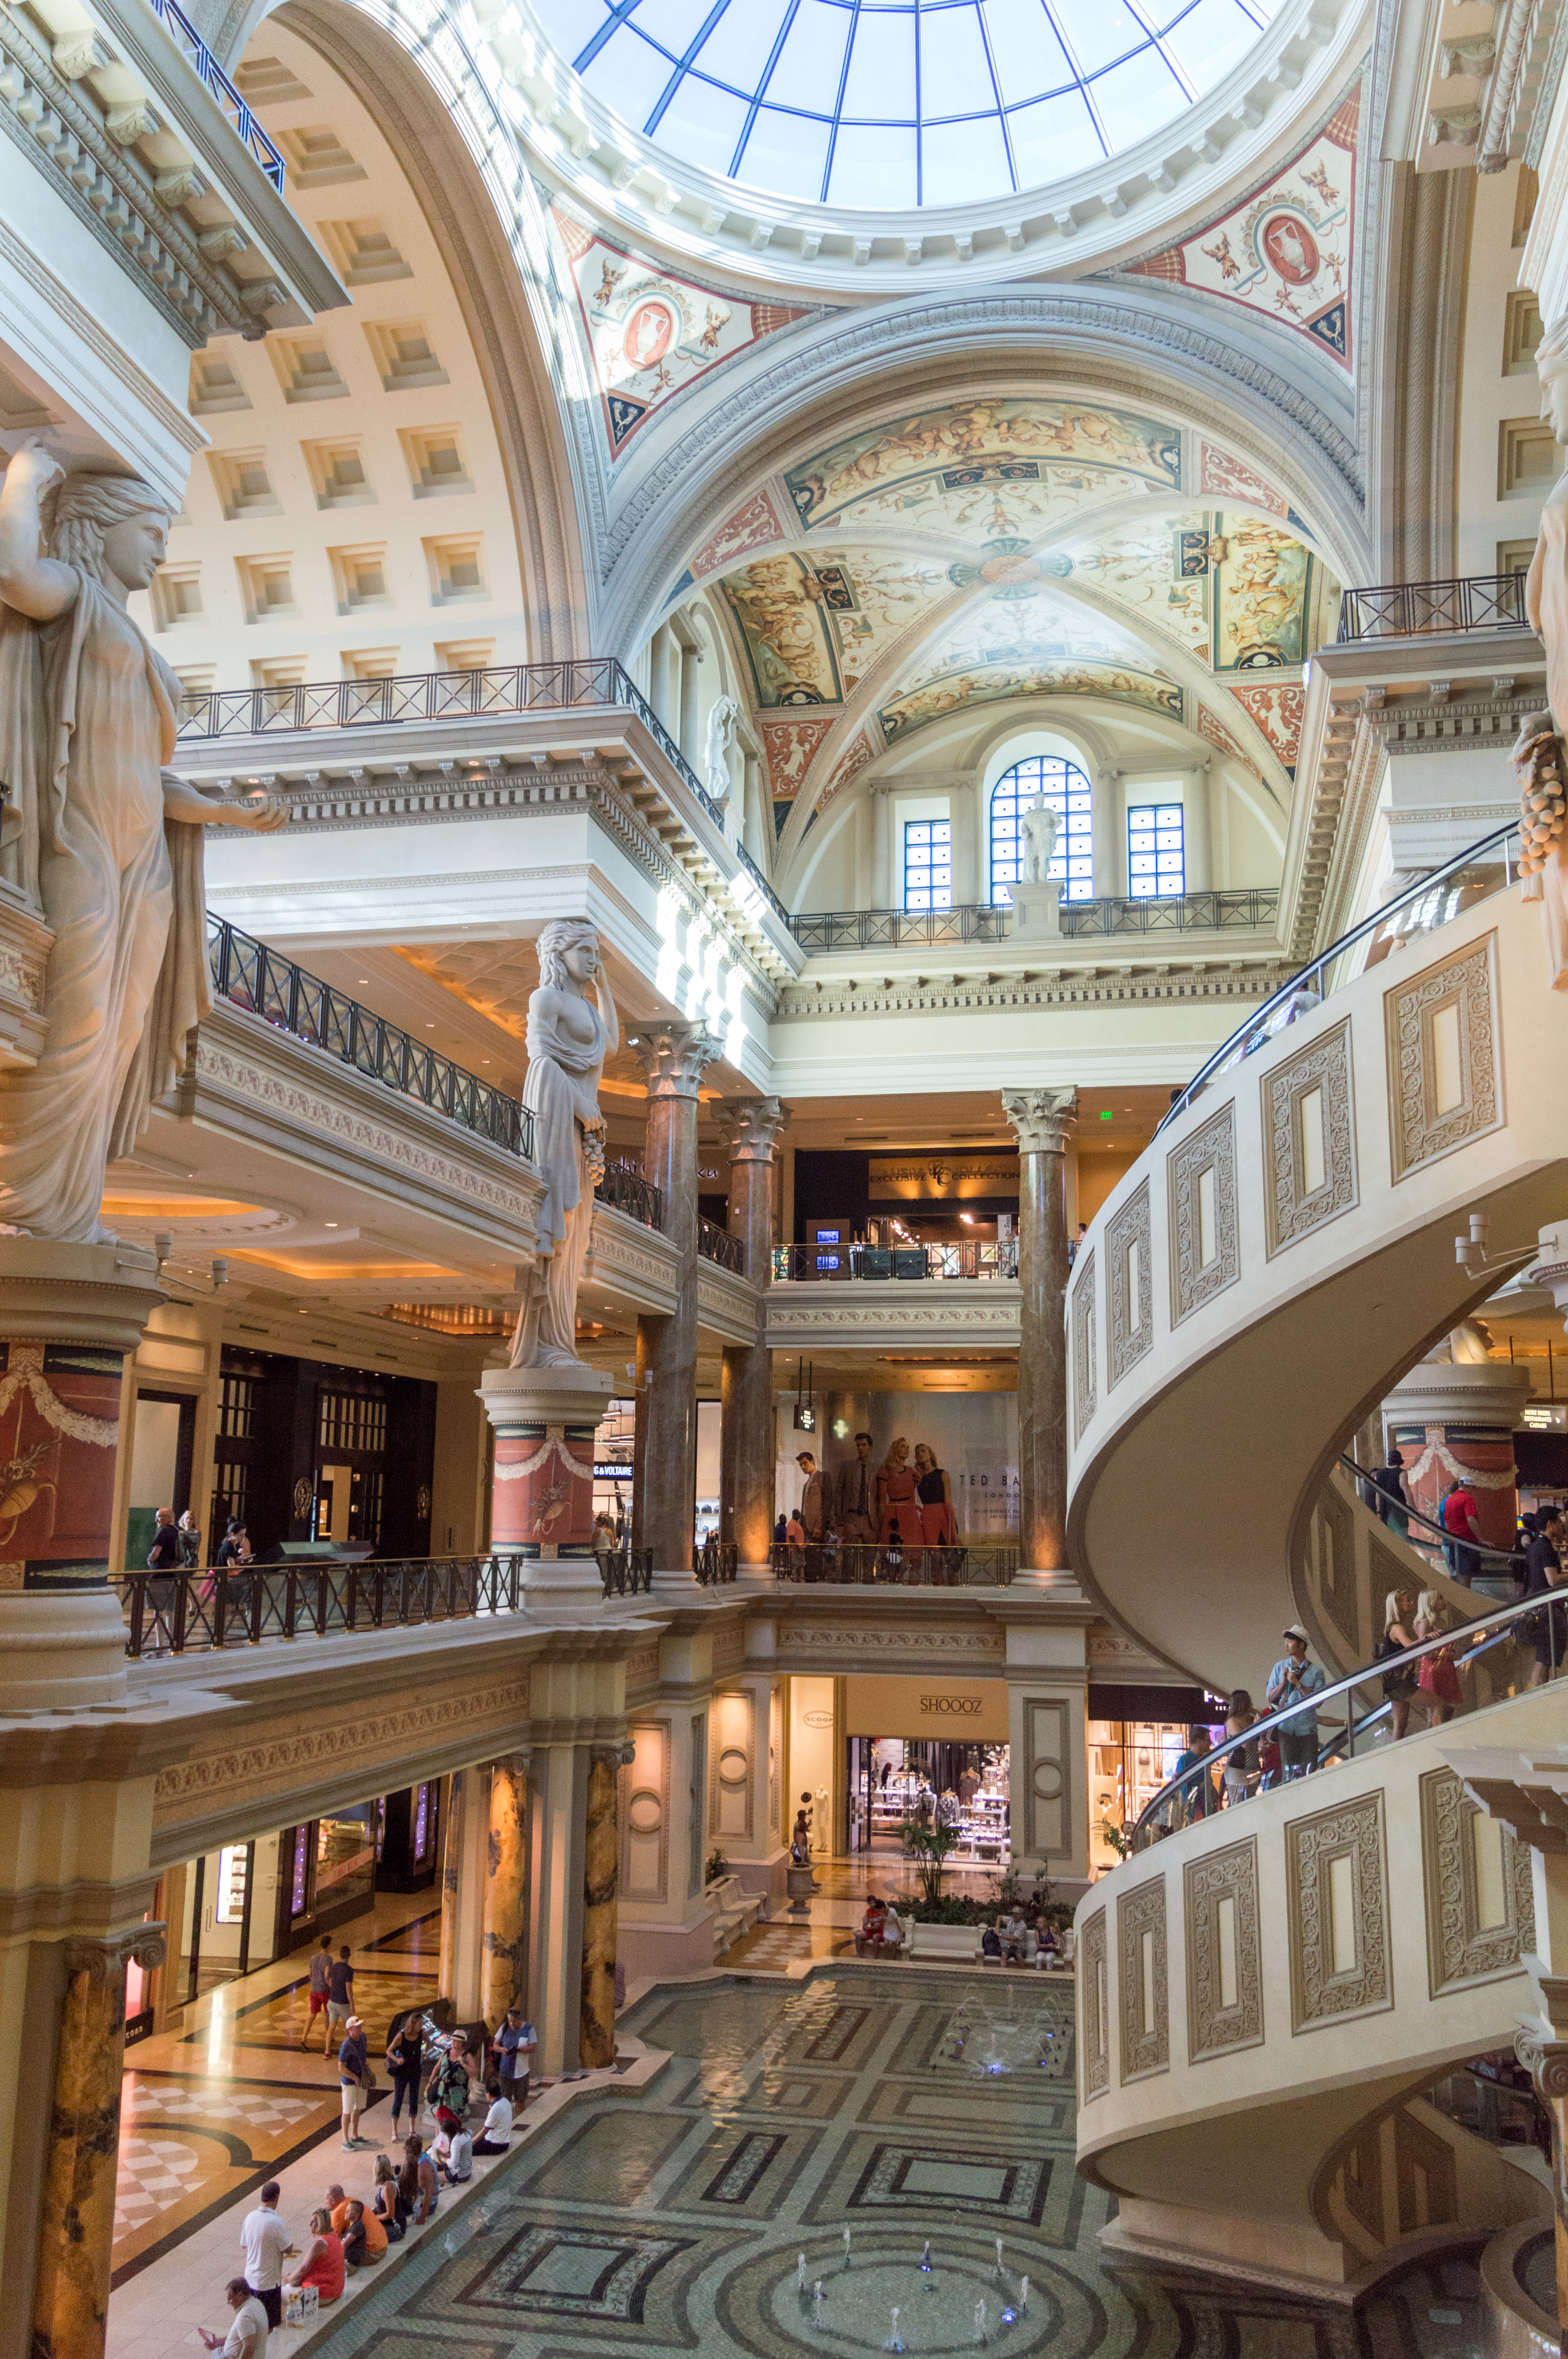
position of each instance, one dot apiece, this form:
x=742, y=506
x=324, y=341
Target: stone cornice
x=1086, y=986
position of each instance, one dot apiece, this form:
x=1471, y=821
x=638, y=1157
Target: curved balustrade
x=716, y=1562
x=192, y=1611
x=836, y=1263
x=631, y=1193
x=859, y=1564
x=716, y=1246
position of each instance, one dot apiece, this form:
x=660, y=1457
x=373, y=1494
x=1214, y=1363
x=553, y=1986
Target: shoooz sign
x=961, y=1711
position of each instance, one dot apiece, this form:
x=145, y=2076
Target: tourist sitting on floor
x=873, y=1925
x=389, y=2206
x=1011, y=1931
x=892, y=1933
x=454, y=2155
x=495, y=2138
x=418, y=2182
x=991, y=1943
x=1047, y=1949
x=322, y=2263
x=363, y=2237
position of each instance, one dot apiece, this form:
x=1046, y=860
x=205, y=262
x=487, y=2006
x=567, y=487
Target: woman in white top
x=496, y=2136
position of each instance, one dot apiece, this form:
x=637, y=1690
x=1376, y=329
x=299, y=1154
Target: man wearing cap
x=1292, y=1678
x=354, y=2071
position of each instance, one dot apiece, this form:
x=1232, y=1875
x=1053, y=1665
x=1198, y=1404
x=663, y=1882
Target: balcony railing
x=1176, y=913
x=248, y=974
x=717, y=1245
x=1413, y=610
x=496, y=689
x=716, y=1561
x=187, y=38
x=916, y=1262
x=631, y=1193
x=627, y=1571
x=962, y=1566
x=195, y=1611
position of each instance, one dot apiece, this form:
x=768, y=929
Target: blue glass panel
x=812, y=60
x=703, y=124
x=786, y=153
x=955, y=77
x=881, y=83
x=874, y=166
x=962, y=161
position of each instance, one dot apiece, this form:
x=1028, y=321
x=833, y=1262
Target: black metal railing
x=496, y=689
x=1485, y=868
x=1414, y=609
x=717, y=1245
x=198, y=1610
x=860, y=1564
x=1176, y=913
x=250, y=975
x=1465, y=1562
x=631, y=1193
x=627, y=1571
x=716, y=1561
x=188, y=40
x=827, y=1263
x=1191, y=1795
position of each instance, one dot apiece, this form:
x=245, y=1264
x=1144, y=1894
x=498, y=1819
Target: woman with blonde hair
x=1398, y=1632
x=1439, y=1674
x=100, y=835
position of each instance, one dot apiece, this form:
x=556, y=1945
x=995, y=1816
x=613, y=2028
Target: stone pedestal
x=1036, y=913
x=801, y=1884
x=1040, y=1120
x=1456, y=1422
x=674, y=1056
x=746, y=1433
x=542, y=1499
x=506, y=1891
x=69, y=1314
x=70, y=2299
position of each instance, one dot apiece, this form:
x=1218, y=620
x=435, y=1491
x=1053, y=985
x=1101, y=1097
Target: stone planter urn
x=802, y=1884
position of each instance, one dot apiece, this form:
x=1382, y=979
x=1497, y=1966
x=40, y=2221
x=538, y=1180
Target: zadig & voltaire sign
x=905, y=1179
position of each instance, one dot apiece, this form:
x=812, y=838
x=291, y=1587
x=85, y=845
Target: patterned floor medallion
x=772, y=2191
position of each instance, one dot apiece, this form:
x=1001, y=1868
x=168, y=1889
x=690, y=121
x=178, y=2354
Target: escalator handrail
x=1228, y=1051
x=1493, y=1623
x=1477, y=1548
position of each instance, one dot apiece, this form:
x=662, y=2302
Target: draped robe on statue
x=88, y=717
x=560, y=1090
x=1546, y=603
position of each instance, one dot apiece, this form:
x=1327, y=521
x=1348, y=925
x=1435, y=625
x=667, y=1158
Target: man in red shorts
x=320, y=1961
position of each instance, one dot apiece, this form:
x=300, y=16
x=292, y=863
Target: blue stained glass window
x=885, y=102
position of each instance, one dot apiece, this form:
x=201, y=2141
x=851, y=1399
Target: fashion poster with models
x=973, y=1437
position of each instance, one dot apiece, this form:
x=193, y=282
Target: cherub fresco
x=935, y=439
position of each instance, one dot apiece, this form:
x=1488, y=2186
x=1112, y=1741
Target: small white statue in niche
x=721, y=723
x=1040, y=826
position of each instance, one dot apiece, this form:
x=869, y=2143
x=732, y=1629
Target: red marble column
x=746, y=1436
x=1040, y=1120
x=674, y=1056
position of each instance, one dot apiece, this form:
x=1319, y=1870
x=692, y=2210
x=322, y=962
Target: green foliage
x=1116, y=1837
x=929, y=1846
x=717, y=1865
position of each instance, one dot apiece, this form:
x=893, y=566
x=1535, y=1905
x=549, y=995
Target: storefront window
x=345, y=1858
x=1130, y=1760
x=231, y=1902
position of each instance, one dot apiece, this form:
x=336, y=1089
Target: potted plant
x=717, y=1865
x=943, y=1925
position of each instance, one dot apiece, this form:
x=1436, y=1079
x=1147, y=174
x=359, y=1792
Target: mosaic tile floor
x=816, y=2134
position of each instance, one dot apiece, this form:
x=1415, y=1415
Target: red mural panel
x=543, y=1492
x=59, y=1431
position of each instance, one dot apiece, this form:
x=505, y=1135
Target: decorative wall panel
x=1084, y=1389
x=1337, y=1914
x=1093, y=2013
x=645, y=1814
x=1308, y=1140
x=1047, y=1783
x=1426, y=2175
x=731, y=1780
x=1129, y=1285
x=1335, y=1540
x=1143, y=1981
x=1205, y=1251
x=1225, y=1965
x=1478, y=1925
x=1445, y=1082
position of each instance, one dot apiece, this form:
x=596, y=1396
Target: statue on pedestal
x=570, y=1038
x=1036, y=896
x=1538, y=754
x=104, y=839
x=1040, y=824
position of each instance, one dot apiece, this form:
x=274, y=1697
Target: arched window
x=1043, y=777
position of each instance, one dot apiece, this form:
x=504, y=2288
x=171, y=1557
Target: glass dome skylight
x=890, y=103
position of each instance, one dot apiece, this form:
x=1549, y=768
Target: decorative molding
x=1321, y=1990
x=1129, y=1337
x=1094, y=2011
x=1422, y=1130
x=840, y=1637
x=1143, y=1981
x=674, y=1056
x=1128, y=984
x=1225, y=1957
x=1085, y=1347
x=1292, y=1210
x=1460, y=1949
x=1195, y=1282
x=751, y=1125
x=1046, y=1789
x=1041, y=1119
x=1337, y=1568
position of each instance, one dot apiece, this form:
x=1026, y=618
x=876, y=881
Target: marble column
x=506, y=1891
x=542, y=1494
x=71, y=2302
x=452, y=1880
x=746, y=1434
x=1040, y=1120
x=601, y=1896
x=556, y=1884
x=673, y=1057
x=69, y=1314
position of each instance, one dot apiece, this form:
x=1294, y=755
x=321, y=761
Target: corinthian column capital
x=1041, y=1119
x=751, y=1125
x=674, y=1056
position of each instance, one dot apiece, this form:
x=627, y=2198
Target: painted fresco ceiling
x=1009, y=547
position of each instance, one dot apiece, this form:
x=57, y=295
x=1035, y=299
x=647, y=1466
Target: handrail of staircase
x=1477, y=1548
x=1148, y=1825
x=1257, y=1028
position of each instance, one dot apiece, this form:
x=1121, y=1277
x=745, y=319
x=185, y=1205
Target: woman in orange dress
x=896, y=1500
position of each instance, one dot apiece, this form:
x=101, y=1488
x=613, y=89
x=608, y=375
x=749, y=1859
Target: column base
x=1041, y=1580
x=60, y=1649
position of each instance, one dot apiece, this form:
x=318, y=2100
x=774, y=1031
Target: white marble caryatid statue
x=1040, y=824
x=102, y=838
x=569, y=1037
x=1539, y=754
x=720, y=730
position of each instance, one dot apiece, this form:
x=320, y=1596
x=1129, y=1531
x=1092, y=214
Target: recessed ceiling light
x=331, y=1225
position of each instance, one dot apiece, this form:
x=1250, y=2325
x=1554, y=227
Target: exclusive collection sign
x=909, y=1179
x=963, y=1711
